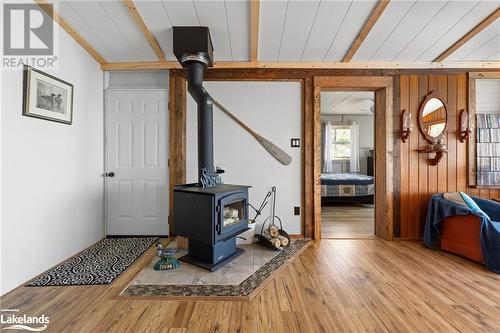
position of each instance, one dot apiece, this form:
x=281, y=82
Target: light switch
x=295, y=142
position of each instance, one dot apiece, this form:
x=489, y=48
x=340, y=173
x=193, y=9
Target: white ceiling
x=294, y=30
x=355, y=102
x=421, y=31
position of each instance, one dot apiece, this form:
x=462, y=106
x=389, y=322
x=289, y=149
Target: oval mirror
x=432, y=118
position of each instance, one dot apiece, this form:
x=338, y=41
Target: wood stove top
x=194, y=188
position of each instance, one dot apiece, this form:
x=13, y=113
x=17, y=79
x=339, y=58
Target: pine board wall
x=418, y=179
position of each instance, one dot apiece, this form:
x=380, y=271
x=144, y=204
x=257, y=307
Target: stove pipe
x=205, y=116
x=193, y=48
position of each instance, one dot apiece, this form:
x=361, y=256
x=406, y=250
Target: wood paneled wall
x=419, y=180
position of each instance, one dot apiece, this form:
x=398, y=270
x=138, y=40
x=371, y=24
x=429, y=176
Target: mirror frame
x=427, y=137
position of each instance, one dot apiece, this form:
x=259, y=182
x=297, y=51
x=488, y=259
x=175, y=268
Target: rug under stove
x=242, y=277
x=99, y=264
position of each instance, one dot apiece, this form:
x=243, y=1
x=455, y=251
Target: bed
x=347, y=187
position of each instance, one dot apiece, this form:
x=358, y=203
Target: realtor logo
x=29, y=36
x=28, y=30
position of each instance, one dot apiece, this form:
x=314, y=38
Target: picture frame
x=47, y=97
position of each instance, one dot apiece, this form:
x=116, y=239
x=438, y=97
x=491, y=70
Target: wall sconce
x=406, y=125
x=465, y=131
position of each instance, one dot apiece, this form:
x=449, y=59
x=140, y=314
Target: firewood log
x=284, y=241
x=273, y=231
x=274, y=240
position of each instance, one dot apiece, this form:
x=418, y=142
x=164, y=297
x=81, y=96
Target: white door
x=136, y=162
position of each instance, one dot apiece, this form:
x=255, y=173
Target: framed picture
x=47, y=97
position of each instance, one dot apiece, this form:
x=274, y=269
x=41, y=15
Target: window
x=484, y=142
x=341, y=142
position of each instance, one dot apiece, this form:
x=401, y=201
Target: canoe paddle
x=274, y=150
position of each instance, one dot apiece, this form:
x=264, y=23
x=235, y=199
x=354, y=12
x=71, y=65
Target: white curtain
x=326, y=147
x=354, y=163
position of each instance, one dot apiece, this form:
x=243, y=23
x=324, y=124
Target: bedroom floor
x=348, y=221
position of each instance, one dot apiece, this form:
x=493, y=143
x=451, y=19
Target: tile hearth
x=232, y=273
x=241, y=277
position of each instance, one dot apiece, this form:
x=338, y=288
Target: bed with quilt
x=347, y=187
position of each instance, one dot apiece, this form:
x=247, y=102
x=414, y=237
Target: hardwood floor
x=347, y=221
x=333, y=286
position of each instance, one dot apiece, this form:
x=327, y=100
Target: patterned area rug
x=196, y=282
x=99, y=264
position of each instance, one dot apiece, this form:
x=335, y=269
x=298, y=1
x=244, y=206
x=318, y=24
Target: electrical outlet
x=296, y=210
x=295, y=142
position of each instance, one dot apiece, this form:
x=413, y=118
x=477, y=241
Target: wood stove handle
x=234, y=234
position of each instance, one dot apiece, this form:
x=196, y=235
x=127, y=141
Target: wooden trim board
x=47, y=8
x=137, y=18
x=254, y=29
x=468, y=36
x=471, y=142
x=374, y=16
x=307, y=158
x=305, y=65
x=177, y=139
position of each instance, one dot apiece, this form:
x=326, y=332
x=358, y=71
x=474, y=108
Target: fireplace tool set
x=271, y=233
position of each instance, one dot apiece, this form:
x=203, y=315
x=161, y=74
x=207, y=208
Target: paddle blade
x=274, y=150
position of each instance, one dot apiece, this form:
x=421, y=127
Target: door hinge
x=168, y=163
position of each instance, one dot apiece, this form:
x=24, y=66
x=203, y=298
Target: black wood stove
x=209, y=213
x=211, y=218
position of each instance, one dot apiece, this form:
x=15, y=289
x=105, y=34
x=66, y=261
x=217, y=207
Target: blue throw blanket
x=440, y=208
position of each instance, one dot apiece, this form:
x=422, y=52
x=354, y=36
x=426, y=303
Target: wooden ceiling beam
x=48, y=8
x=136, y=16
x=374, y=16
x=306, y=65
x=254, y=29
x=468, y=36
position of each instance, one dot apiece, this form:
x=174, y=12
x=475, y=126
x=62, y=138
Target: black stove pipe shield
x=205, y=116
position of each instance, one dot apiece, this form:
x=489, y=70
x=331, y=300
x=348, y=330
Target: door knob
x=110, y=174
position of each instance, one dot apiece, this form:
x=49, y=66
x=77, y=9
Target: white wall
x=366, y=133
x=155, y=79
x=272, y=109
x=52, y=189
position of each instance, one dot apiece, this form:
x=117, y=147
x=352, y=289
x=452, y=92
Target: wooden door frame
x=384, y=141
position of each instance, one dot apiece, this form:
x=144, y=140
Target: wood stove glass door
x=233, y=214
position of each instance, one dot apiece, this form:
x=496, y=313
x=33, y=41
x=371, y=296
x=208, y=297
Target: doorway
x=347, y=164
x=136, y=151
x=382, y=88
